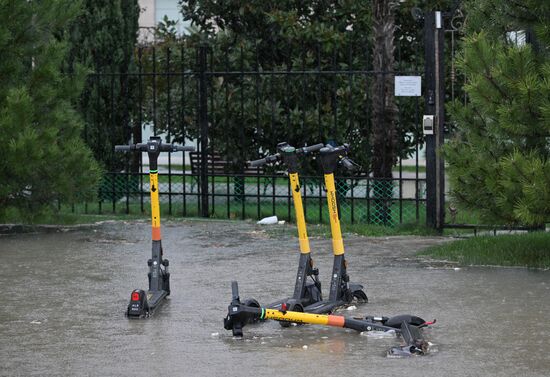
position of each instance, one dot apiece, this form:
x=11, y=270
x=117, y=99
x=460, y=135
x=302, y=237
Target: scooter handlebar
x=263, y=161
x=124, y=148
x=255, y=163
x=131, y=147
x=348, y=164
x=311, y=148
x=163, y=148
x=183, y=148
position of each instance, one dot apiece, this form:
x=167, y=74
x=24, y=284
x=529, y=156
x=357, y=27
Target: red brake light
x=135, y=296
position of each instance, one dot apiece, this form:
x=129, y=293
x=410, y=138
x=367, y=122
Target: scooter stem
x=155, y=208
x=337, y=241
x=299, y=210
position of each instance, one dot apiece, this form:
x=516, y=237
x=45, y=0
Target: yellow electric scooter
x=342, y=292
x=307, y=296
x=307, y=287
x=143, y=304
x=407, y=326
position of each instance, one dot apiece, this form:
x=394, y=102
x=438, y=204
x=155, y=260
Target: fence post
x=203, y=122
x=434, y=39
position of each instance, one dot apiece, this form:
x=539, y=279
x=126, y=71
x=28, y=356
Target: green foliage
x=254, y=111
x=103, y=38
x=497, y=18
x=43, y=157
x=499, y=159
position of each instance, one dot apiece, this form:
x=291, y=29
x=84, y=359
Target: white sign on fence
x=407, y=86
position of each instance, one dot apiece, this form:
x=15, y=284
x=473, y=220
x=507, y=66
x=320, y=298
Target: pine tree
x=103, y=38
x=43, y=156
x=499, y=160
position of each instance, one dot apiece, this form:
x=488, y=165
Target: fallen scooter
x=407, y=326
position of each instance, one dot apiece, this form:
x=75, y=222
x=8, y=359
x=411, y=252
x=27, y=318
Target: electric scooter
x=307, y=287
x=143, y=304
x=408, y=326
x=307, y=295
x=342, y=292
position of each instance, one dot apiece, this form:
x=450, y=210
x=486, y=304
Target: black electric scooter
x=408, y=326
x=143, y=304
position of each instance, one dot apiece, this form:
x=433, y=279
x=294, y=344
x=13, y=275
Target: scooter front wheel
x=254, y=304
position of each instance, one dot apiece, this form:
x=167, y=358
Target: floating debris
x=379, y=334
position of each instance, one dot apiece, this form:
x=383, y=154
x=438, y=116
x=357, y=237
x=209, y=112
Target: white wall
x=170, y=9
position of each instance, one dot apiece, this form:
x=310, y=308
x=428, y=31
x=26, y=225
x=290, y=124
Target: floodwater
x=64, y=296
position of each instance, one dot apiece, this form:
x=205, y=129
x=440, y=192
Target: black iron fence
x=246, y=196
x=238, y=104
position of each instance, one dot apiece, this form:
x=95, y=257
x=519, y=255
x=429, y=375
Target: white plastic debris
x=352, y=307
x=379, y=334
x=304, y=347
x=457, y=269
x=271, y=220
x=215, y=334
x=281, y=222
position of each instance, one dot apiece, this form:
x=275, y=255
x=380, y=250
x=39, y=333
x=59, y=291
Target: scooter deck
x=154, y=298
x=324, y=307
x=327, y=306
x=143, y=304
x=278, y=304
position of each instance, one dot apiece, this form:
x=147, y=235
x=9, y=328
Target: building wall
x=153, y=12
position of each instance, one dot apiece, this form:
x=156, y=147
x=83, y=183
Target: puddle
x=64, y=295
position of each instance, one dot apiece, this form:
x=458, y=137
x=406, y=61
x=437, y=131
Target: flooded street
x=65, y=293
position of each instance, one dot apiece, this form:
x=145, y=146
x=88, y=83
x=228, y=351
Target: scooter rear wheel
x=360, y=297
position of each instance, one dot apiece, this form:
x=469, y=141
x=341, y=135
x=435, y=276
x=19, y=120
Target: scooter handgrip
x=183, y=148
x=257, y=163
x=266, y=160
x=348, y=164
x=312, y=148
x=124, y=148
x=235, y=290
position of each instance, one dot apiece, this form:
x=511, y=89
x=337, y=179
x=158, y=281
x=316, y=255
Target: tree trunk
x=384, y=109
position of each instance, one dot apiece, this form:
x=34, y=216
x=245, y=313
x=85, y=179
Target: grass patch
x=527, y=250
x=410, y=169
x=63, y=217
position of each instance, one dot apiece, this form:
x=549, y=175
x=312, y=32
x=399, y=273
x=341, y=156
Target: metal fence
x=203, y=96
x=254, y=197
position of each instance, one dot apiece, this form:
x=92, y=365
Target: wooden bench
x=216, y=165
